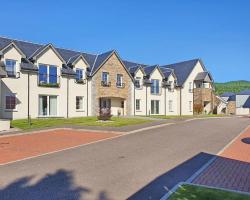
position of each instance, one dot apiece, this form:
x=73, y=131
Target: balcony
x=120, y=85
x=105, y=84
x=13, y=74
x=47, y=80
x=80, y=81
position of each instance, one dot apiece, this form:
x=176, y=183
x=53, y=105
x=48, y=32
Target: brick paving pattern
x=23, y=146
x=231, y=169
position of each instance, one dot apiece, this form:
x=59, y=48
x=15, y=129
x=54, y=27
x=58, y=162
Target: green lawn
x=188, y=192
x=80, y=121
x=184, y=116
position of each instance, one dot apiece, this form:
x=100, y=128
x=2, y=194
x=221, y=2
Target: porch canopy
x=204, y=77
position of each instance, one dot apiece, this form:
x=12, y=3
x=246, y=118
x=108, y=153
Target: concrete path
x=139, y=166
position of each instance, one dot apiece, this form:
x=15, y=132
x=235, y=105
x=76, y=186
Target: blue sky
x=150, y=32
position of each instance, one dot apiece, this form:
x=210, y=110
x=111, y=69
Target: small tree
x=198, y=109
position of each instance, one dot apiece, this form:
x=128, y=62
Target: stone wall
x=113, y=66
x=231, y=107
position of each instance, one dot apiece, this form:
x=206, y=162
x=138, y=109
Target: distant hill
x=232, y=86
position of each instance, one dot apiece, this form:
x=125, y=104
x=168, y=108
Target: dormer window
x=48, y=76
x=155, y=86
x=10, y=67
x=138, y=82
x=79, y=74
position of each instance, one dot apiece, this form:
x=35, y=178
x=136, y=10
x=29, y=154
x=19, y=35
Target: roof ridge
x=43, y=44
x=198, y=59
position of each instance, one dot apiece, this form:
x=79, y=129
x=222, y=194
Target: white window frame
x=121, y=81
x=190, y=105
x=80, y=109
x=155, y=107
x=139, y=79
x=83, y=72
x=138, y=100
x=12, y=95
x=107, y=81
x=15, y=67
x=48, y=74
x=159, y=86
x=170, y=105
x=48, y=111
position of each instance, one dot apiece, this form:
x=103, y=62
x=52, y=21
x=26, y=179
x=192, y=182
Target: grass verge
x=186, y=192
x=79, y=121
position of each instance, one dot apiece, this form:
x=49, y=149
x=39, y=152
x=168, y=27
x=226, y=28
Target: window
x=170, y=106
x=47, y=105
x=171, y=86
x=79, y=74
x=119, y=80
x=138, y=104
x=155, y=89
x=155, y=106
x=105, y=77
x=10, y=102
x=190, y=87
x=10, y=67
x=190, y=106
x=79, y=103
x=47, y=74
x=137, y=82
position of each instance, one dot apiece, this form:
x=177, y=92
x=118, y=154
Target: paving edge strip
x=176, y=187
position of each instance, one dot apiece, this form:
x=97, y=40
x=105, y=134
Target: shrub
x=104, y=114
x=198, y=108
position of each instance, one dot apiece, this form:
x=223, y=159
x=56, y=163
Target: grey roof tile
x=227, y=94
x=247, y=103
x=182, y=69
x=99, y=60
x=244, y=92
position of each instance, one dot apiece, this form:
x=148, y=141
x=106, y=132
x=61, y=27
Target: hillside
x=232, y=86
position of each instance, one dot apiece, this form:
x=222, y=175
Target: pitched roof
x=247, y=103
x=203, y=76
x=227, y=94
x=182, y=69
x=100, y=60
x=244, y=92
x=149, y=69
x=232, y=98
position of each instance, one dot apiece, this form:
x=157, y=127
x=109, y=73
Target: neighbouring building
x=46, y=81
x=239, y=103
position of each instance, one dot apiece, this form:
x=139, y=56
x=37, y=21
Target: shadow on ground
x=222, y=173
x=159, y=186
x=57, y=186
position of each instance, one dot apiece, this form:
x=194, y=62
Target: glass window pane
x=52, y=105
x=52, y=74
x=42, y=74
x=43, y=106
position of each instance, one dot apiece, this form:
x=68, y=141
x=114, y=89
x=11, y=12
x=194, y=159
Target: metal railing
x=120, y=85
x=105, y=84
x=48, y=80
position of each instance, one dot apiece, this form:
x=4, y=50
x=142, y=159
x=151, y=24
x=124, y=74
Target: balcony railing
x=120, y=85
x=105, y=84
x=47, y=80
x=13, y=74
x=80, y=81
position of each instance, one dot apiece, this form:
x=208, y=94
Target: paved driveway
x=24, y=146
x=136, y=166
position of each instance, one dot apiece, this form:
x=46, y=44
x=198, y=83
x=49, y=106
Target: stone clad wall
x=113, y=66
x=231, y=107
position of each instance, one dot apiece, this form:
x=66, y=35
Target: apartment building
x=46, y=81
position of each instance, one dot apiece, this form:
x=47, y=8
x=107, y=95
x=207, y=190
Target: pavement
x=142, y=165
x=23, y=146
x=231, y=168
